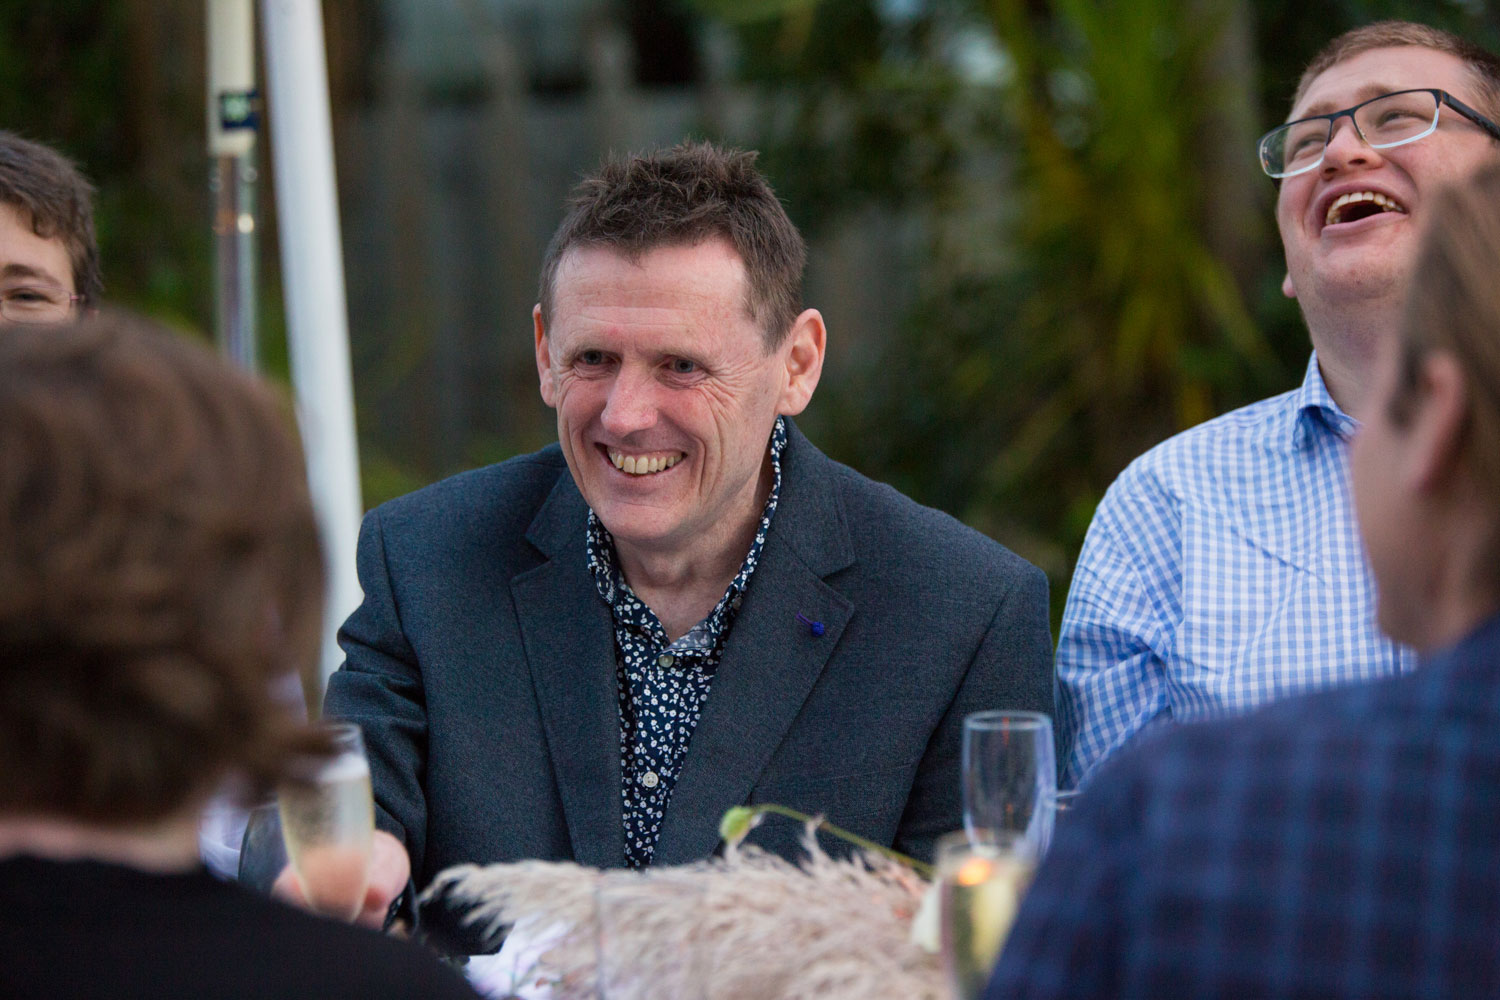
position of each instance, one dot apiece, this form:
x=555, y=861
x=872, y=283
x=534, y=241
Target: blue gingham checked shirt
x=1222, y=570
x=1340, y=845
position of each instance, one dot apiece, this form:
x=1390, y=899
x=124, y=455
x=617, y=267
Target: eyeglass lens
x=34, y=304
x=1385, y=121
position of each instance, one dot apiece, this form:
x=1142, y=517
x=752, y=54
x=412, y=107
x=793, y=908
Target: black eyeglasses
x=1382, y=122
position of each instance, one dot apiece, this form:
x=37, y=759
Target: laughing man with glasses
x=49, y=261
x=1383, y=122
x=1223, y=569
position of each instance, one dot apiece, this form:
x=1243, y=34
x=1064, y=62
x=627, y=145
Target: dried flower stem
x=922, y=868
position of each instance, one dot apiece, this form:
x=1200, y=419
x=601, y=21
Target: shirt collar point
x=1315, y=409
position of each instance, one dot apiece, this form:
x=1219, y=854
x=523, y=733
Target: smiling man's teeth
x=641, y=465
x=1336, y=211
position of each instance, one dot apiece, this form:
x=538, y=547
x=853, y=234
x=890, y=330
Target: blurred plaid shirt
x=1345, y=844
x=1222, y=570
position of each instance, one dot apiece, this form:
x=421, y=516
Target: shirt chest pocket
x=1240, y=590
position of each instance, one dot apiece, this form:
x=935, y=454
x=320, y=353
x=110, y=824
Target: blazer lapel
x=771, y=660
x=569, y=641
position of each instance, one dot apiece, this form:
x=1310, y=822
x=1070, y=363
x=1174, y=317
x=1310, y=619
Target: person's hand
x=390, y=870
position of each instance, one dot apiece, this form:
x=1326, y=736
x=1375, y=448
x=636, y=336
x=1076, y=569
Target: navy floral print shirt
x=663, y=684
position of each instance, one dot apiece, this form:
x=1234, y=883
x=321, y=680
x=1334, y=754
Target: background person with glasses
x=1223, y=570
x=1339, y=846
x=49, y=259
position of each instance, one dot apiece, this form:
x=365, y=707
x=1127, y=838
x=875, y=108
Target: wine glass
x=328, y=824
x=1009, y=777
x=980, y=885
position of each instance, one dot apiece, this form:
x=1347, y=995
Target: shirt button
x=650, y=780
x=665, y=660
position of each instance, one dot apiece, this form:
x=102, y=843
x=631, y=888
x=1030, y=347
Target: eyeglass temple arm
x=1489, y=127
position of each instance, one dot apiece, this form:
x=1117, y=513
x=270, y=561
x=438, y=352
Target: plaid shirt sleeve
x=1117, y=627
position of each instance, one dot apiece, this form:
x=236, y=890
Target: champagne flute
x=1009, y=777
x=980, y=885
x=328, y=823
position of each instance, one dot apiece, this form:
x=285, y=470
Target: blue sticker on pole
x=239, y=109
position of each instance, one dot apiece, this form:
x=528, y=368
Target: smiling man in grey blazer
x=591, y=652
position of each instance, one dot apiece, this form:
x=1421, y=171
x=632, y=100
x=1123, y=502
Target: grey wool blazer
x=481, y=666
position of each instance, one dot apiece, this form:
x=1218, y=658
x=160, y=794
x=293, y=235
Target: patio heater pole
x=312, y=270
x=232, y=123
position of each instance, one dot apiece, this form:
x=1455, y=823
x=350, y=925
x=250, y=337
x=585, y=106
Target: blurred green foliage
x=1101, y=268
x=90, y=78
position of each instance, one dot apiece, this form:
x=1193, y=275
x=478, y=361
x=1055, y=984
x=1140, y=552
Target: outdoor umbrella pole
x=233, y=120
x=312, y=273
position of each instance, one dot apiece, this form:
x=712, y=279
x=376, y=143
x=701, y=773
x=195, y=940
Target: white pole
x=312, y=269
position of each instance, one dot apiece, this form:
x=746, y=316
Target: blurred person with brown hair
x=1339, y=845
x=1223, y=568
x=159, y=569
x=50, y=273
x=49, y=260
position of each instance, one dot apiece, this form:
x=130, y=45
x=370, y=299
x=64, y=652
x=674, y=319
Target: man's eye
x=682, y=366
x=591, y=358
x=1308, y=140
x=1400, y=116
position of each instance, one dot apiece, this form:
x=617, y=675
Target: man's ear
x=804, y=349
x=1287, y=288
x=543, y=358
x=1437, y=422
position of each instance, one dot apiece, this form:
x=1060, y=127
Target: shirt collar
x=616, y=592
x=1314, y=410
